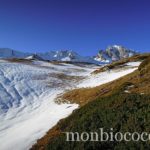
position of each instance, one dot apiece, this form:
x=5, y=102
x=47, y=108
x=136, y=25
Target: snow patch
x=134, y=64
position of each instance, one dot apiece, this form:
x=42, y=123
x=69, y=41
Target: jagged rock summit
x=114, y=53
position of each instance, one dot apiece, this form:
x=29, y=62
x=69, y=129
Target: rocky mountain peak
x=114, y=53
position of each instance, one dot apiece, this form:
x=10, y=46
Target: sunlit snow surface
x=27, y=93
x=110, y=75
x=27, y=107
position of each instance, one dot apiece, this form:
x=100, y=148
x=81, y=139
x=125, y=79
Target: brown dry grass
x=84, y=95
x=55, y=131
x=20, y=60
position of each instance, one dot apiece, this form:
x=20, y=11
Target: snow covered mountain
x=62, y=55
x=114, y=53
x=65, y=55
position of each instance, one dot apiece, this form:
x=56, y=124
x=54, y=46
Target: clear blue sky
x=84, y=26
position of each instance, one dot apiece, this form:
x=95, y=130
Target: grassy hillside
x=109, y=107
x=122, y=112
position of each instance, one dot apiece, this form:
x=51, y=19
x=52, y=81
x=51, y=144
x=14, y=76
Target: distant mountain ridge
x=10, y=53
x=62, y=55
x=112, y=53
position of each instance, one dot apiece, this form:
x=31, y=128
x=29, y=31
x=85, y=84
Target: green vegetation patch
x=120, y=111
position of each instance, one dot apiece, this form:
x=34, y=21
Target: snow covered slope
x=27, y=97
x=27, y=93
x=108, y=76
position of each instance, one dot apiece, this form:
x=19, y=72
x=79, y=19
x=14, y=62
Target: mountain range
x=112, y=53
